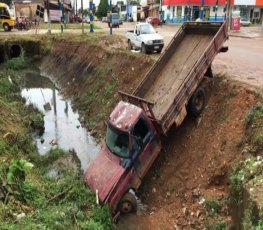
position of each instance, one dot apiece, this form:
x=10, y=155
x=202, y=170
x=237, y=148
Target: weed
x=254, y=126
x=236, y=181
x=212, y=205
x=17, y=63
x=37, y=122
x=259, y=225
x=220, y=226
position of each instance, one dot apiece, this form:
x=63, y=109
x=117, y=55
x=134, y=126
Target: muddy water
x=62, y=125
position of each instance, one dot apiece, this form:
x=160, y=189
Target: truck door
x=149, y=146
x=137, y=36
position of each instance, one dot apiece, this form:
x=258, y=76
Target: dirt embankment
x=93, y=73
x=188, y=187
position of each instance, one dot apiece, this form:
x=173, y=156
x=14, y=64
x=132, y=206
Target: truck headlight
x=149, y=42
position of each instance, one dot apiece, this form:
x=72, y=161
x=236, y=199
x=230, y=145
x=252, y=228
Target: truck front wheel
x=127, y=204
x=143, y=49
x=6, y=27
x=197, y=102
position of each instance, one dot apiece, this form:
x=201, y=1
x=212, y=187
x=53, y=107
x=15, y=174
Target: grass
x=68, y=26
x=59, y=202
x=212, y=206
x=236, y=182
x=254, y=127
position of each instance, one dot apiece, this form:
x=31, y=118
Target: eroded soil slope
x=92, y=73
x=187, y=188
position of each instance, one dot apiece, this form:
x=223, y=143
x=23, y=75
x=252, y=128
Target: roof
x=124, y=115
x=38, y=1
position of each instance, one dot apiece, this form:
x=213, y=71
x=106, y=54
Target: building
x=178, y=11
x=27, y=8
x=249, y=9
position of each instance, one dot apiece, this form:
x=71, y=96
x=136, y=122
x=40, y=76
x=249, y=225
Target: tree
x=7, y=2
x=102, y=9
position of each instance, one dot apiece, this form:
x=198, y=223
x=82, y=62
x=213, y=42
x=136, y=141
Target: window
x=141, y=130
x=117, y=142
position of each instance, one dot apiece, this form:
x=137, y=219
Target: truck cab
x=6, y=20
x=115, y=20
x=130, y=148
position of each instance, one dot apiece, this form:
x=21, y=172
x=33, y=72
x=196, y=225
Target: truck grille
x=157, y=41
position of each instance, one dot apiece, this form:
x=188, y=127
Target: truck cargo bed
x=166, y=89
x=162, y=90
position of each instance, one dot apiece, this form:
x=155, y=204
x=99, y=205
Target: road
x=242, y=62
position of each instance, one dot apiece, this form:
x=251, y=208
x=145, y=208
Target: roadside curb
x=243, y=36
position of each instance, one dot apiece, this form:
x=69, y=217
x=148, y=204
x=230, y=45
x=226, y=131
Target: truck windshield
x=147, y=29
x=117, y=142
x=4, y=11
x=115, y=16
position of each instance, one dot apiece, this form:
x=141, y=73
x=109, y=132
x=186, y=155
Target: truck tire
x=6, y=27
x=129, y=45
x=127, y=204
x=197, y=102
x=143, y=49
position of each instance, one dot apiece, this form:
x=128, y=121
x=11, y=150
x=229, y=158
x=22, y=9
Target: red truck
x=171, y=88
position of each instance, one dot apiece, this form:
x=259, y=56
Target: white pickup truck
x=145, y=38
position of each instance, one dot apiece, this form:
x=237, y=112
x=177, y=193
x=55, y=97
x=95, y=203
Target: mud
x=194, y=166
x=195, y=163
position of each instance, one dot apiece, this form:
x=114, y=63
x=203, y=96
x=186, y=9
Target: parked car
x=145, y=38
x=104, y=19
x=116, y=22
x=86, y=20
x=244, y=22
x=154, y=21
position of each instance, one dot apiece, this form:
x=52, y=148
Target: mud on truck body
x=171, y=89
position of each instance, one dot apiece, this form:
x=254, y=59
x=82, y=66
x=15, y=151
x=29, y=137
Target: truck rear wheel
x=143, y=49
x=197, y=102
x=129, y=45
x=127, y=204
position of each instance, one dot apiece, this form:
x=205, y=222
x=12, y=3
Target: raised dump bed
x=179, y=70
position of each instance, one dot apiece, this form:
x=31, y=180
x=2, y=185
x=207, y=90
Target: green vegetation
x=254, y=126
x=38, y=192
x=102, y=9
x=68, y=26
x=212, y=206
x=16, y=63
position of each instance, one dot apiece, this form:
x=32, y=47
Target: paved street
x=243, y=61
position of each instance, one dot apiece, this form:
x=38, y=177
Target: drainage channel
x=62, y=126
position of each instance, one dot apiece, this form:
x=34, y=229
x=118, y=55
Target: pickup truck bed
x=166, y=89
x=166, y=84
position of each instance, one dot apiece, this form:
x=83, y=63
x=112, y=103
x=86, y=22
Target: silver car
x=244, y=22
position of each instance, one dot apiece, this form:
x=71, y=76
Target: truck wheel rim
x=199, y=102
x=126, y=207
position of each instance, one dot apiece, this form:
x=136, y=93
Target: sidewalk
x=248, y=32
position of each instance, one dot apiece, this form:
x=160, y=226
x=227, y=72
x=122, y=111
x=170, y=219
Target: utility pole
x=48, y=18
x=82, y=24
x=110, y=17
x=202, y=9
x=227, y=15
x=216, y=10
x=91, y=26
x=161, y=15
x=61, y=18
x=76, y=8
